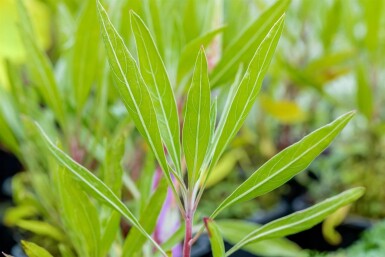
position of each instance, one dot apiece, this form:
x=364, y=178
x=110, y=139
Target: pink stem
x=188, y=231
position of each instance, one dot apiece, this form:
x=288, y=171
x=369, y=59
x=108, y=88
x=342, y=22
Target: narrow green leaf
x=40, y=67
x=242, y=48
x=33, y=250
x=216, y=240
x=94, y=185
x=135, y=240
x=234, y=231
x=80, y=215
x=286, y=164
x=7, y=137
x=41, y=228
x=155, y=76
x=187, y=57
x=300, y=220
x=112, y=167
x=242, y=96
x=364, y=95
x=84, y=61
x=196, y=127
x=133, y=91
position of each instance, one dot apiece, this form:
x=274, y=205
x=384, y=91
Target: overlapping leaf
x=242, y=96
x=243, y=47
x=40, y=67
x=155, y=76
x=94, y=186
x=135, y=240
x=133, y=91
x=196, y=127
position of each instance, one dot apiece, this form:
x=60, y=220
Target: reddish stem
x=188, y=232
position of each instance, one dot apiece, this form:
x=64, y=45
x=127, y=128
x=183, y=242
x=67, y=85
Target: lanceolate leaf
x=216, y=240
x=133, y=91
x=94, y=185
x=242, y=96
x=286, y=164
x=242, y=48
x=234, y=231
x=148, y=219
x=79, y=214
x=156, y=78
x=33, y=250
x=196, y=127
x=301, y=220
x=40, y=67
x=85, y=54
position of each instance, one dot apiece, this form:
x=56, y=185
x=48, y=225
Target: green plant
x=147, y=91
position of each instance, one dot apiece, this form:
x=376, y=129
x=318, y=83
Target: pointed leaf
x=33, y=250
x=242, y=96
x=196, y=127
x=40, y=66
x=187, y=57
x=234, y=231
x=133, y=91
x=216, y=240
x=243, y=47
x=94, y=185
x=300, y=220
x=286, y=164
x=80, y=215
x=84, y=62
x=41, y=228
x=155, y=76
x=135, y=240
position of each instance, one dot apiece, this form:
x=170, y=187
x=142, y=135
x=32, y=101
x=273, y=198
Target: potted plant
x=80, y=182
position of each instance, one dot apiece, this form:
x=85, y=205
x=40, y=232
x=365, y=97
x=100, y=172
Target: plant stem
x=188, y=232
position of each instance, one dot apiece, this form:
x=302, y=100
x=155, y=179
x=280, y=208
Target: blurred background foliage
x=330, y=59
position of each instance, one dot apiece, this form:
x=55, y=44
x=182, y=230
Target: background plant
x=156, y=118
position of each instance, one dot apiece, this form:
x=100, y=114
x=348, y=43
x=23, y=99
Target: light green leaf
x=216, y=240
x=33, y=250
x=242, y=97
x=79, y=214
x=155, y=76
x=234, y=231
x=300, y=220
x=187, y=57
x=84, y=62
x=196, y=127
x=135, y=240
x=242, y=48
x=364, y=95
x=331, y=235
x=41, y=228
x=94, y=185
x=133, y=91
x=40, y=67
x=286, y=164
x=7, y=137
x=21, y=211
